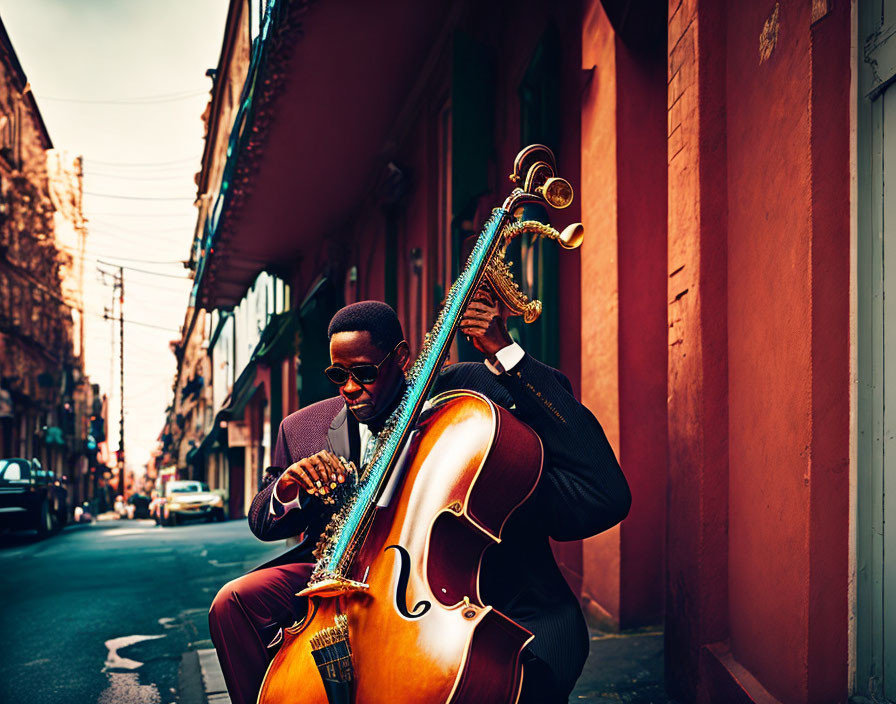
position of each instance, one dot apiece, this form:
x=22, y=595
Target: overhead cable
x=123, y=197
x=143, y=100
x=142, y=165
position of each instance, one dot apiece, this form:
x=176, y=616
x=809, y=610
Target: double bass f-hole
x=401, y=589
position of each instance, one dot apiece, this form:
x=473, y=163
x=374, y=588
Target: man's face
x=366, y=401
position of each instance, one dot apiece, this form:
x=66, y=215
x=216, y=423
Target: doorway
x=875, y=662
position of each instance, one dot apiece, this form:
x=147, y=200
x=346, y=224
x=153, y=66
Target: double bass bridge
x=333, y=585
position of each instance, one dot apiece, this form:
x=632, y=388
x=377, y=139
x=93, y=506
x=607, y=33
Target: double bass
x=394, y=609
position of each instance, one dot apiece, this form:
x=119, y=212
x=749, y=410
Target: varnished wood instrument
x=394, y=611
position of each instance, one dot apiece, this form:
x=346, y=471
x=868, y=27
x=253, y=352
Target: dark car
x=31, y=496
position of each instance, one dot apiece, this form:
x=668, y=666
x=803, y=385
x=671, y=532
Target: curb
x=212, y=677
x=189, y=680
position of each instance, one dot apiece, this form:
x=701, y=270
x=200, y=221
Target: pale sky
x=122, y=83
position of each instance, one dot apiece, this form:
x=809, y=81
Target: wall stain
x=769, y=36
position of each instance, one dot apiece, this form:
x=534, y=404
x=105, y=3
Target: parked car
x=31, y=497
x=185, y=499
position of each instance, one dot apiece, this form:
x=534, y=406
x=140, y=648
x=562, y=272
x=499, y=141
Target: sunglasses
x=362, y=373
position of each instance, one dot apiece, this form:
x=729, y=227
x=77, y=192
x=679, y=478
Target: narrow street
x=112, y=613
x=105, y=613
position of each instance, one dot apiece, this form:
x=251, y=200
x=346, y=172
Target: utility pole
x=121, y=464
x=118, y=287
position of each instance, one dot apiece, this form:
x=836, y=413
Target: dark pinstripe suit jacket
x=582, y=492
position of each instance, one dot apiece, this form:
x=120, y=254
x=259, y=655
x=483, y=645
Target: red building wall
x=623, y=298
x=758, y=514
x=704, y=321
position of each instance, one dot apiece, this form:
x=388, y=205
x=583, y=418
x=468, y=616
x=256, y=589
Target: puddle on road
x=114, y=661
x=125, y=687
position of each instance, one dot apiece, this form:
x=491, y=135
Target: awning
x=211, y=441
x=311, y=102
x=279, y=338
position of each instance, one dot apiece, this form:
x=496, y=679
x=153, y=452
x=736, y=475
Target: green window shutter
x=534, y=260
x=472, y=123
x=472, y=145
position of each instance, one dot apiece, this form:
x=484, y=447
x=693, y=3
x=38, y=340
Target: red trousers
x=246, y=616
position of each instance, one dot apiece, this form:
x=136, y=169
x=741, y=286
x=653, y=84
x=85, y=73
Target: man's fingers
x=309, y=465
x=322, y=464
x=481, y=309
x=296, y=473
x=484, y=318
x=479, y=316
x=473, y=329
x=483, y=295
x=333, y=468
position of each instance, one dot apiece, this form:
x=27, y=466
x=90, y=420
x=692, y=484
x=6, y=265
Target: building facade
x=45, y=398
x=725, y=319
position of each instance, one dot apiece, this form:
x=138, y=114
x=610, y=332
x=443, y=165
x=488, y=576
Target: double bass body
x=420, y=632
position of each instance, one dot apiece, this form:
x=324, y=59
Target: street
x=104, y=613
x=111, y=613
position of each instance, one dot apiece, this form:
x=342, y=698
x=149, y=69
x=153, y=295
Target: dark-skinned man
x=581, y=492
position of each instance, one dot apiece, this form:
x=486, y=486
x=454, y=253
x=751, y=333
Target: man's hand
x=485, y=323
x=318, y=475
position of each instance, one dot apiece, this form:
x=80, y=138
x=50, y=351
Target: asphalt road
x=104, y=613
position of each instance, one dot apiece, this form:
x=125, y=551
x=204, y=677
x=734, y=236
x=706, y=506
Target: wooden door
x=875, y=654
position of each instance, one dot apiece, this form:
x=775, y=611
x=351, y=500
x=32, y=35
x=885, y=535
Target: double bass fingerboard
x=341, y=538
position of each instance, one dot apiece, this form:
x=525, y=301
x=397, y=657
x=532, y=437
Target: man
x=581, y=492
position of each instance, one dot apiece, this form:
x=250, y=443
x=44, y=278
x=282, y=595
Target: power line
x=130, y=322
x=92, y=255
x=117, y=227
x=144, y=100
x=145, y=261
x=112, y=231
x=143, y=215
x=141, y=165
x=122, y=197
x=120, y=177
x=141, y=261
x=157, y=286
x=145, y=271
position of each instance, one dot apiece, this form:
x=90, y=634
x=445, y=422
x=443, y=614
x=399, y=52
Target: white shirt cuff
x=507, y=358
x=284, y=507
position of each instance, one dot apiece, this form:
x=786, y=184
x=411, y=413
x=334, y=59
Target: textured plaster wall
x=697, y=496
x=769, y=340
x=600, y=294
x=758, y=351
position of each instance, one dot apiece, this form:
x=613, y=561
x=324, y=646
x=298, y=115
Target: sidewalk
x=622, y=667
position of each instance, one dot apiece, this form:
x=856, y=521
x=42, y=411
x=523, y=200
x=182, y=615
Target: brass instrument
x=533, y=171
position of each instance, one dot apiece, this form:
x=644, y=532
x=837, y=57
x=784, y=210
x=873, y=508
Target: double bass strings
x=340, y=534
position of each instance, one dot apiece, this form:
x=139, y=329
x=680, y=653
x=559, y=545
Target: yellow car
x=185, y=499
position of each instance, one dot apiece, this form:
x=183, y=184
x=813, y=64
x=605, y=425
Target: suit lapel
x=339, y=434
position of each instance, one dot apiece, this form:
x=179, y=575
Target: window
x=14, y=470
x=534, y=259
